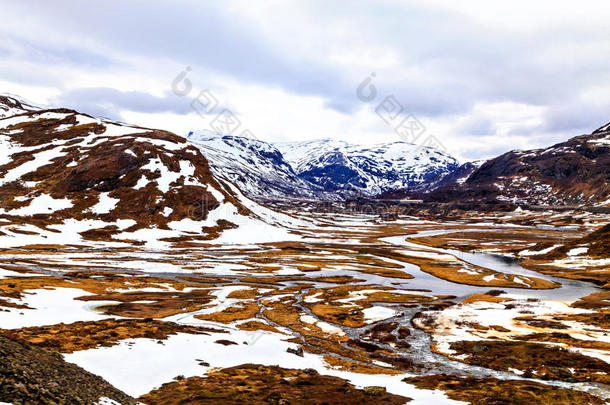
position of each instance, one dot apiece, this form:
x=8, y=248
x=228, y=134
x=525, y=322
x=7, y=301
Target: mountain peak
x=604, y=128
x=319, y=168
x=11, y=104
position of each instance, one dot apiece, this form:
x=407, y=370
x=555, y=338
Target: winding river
x=420, y=341
x=570, y=290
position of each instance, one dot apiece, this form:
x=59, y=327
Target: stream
x=420, y=341
x=570, y=290
x=419, y=352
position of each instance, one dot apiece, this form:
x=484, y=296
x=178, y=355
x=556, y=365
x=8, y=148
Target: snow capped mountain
x=322, y=169
x=13, y=105
x=459, y=176
x=367, y=170
x=257, y=168
x=301, y=154
x=70, y=178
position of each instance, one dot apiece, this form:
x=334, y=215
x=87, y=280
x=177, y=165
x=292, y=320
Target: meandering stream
x=420, y=341
x=570, y=290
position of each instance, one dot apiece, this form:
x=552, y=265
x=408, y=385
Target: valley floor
x=481, y=308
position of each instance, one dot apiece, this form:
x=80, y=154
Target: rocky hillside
x=594, y=245
x=256, y=167
x=337, y=166
x=65, y=176
x=575, y=172
x=30, y=375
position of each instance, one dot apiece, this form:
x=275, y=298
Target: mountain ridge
x=366, y=169
x=324, y=169
x=257, y=167
x=573, y=172
x=74, y=178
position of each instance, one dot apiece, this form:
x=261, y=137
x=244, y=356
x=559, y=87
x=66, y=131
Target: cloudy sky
x=482, y=77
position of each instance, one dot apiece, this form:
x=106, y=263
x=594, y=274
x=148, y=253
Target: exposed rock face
x=29, y=375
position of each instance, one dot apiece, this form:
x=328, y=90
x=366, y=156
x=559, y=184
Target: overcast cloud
x=484, y=77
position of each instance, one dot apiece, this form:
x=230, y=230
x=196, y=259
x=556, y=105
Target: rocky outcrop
x=29, y=375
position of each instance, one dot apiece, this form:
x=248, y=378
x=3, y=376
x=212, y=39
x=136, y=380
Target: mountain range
x=71, y=177
x=366, y=170
x=323, y=169
x=574, y=172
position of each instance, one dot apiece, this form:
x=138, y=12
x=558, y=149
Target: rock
x=30, y=375
x=225, y=342
x=298, y=351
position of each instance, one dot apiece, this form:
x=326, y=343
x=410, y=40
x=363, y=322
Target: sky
x=479, y=78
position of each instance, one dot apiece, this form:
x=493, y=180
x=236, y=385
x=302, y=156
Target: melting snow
x=374, y=314
x=105, y=204
x=578, y=251
x=40, y=159
x=42, y=204
x=50, y=307
x=141, y=183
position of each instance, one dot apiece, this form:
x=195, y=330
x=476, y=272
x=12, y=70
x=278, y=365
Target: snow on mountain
x=367, y=170
x=257, y=168
x=13, y=105
x=301, y=154
x=70, y=178
x=604, y=139
x=575, y=172
x=459, y=176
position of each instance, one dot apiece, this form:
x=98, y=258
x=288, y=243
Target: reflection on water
x=570, y=290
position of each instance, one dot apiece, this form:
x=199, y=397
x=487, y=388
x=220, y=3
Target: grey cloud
x=583, y=117
x=13, y=46
x=447, y=62
x=109, y=103
x=464, y=62
x=29, y=63
x=195, y=34
x=484, y=151
x=476, y=126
